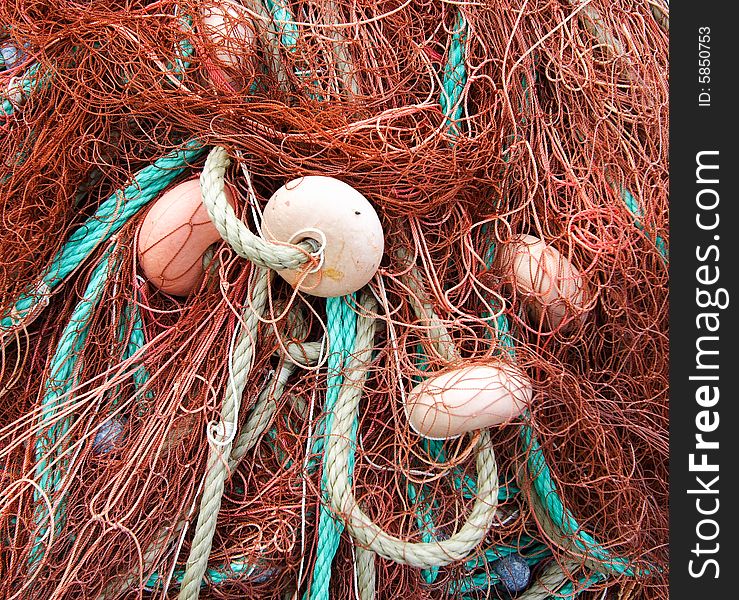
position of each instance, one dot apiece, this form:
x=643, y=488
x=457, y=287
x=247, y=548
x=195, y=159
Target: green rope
x=507, y=548
x=568, y=591
x=57, y=388
x=545, y=489
x=283, y=19
x=111, y=215
x=561, y=516
x=543, y=483
x=485, y=581
x=638, y=214
x=109, y=218
x=454, y=80
x=342, y=329
x=132, y=327
x=455, y=76
x=238, y=568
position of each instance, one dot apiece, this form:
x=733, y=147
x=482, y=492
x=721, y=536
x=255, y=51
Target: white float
x=229, y=29
x=465, y=399
x=551, y=287
x=340, y=220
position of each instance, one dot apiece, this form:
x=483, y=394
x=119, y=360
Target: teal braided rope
x=186, y=51
x=561, y=516
x=287, y=30
x=340, y=338
x=136, y=341
x=461, y=481
x=503, y=326
x=543, y=483
x=455, y=76
x=57, y=388
x=453, y=82
x=512, y=546
x=545, y=489
x=638, y=214
x=568, y=592
x=286, y=26
x=342, y=327
x=111, y=215
x=237, y=569
x=486, y=580
x=131, y=329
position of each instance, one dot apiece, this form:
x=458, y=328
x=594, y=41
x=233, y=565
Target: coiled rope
x=339, y=447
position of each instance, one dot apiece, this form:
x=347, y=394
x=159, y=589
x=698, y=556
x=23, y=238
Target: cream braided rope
x=260, y=417
x=435, y=328
x=258, y=421
x=547, y=584
x=245, y=243
x=366, y=575
x=421, y=555
x=217, y=469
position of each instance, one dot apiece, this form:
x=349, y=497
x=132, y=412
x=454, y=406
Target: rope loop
x=368, y=534
x=246, y=244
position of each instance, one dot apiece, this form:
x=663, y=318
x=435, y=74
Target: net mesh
x=556, y=127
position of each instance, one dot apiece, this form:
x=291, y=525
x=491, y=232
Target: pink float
x=551, y=286
x=173, y=238
x=461, y=400
x=228, y=27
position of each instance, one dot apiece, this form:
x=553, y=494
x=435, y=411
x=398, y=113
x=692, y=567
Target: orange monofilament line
x=555, y=123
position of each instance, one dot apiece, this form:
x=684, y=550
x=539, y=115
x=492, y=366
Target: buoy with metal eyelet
x=466, y=399
x=343, y=224
x=552, y=289
x=173, y=238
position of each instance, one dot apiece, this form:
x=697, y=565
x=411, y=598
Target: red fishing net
x=560, y=132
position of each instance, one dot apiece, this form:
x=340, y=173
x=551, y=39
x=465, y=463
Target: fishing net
x=249, y=439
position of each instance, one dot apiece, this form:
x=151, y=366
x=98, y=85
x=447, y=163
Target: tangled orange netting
x=557, y=129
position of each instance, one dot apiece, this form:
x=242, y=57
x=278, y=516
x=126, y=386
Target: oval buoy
x=466, y=399
x=173, y=238
x=552, y=288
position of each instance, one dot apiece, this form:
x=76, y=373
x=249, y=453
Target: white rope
x=369, y=535
x=217, y=469
x=366, y=573
x=245, y=243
